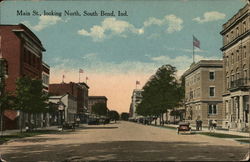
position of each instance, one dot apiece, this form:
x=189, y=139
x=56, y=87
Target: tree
x=160, y=93
x=113, y=115
x=6, y=102
x=124, y=116
x=100, y=109
x=30, y=97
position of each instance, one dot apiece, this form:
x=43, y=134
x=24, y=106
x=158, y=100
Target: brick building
x=236, y=77
x=96, y=99
x=77, y=90
x=203, y=92
x=23, y=51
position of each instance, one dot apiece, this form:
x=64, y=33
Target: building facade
x=203, y=92
x=96, y=99
x=135, y=100
x=77, y=90
x=236, y=76
x=68, y=113
x=24, y=53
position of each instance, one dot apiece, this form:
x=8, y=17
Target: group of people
x=212, y=124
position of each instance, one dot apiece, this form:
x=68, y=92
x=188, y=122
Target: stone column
x=241, y=108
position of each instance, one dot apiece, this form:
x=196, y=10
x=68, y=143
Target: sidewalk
x=245, y=134
x=10, y=132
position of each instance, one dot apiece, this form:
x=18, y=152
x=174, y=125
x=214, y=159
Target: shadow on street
x=126, y=150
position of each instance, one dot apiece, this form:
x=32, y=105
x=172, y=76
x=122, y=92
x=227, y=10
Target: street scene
x=123, y=141
x=125, y=80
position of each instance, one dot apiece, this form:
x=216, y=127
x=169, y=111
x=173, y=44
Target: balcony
x=241, y=83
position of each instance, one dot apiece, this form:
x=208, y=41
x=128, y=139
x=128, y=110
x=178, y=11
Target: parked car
x=184, y=127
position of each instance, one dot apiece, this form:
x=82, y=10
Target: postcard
x=123, y=80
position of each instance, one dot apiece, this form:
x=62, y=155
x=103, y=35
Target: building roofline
x=46, y=65
x=94, y=97
x=203, y=63
x=27, y=32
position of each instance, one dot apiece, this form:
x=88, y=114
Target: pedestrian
x=210, y=125
x=197, y=125
x=214, y=123
x=200, y=124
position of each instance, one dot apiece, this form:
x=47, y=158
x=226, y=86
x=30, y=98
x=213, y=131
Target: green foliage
x=29, y=96
x=113, y=115
x=161, y=92
x=6, y=101
x=100, y=109
x=124, y=116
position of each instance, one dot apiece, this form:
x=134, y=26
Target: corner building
x=236, y=73
x=23, y=51
x=203, y=92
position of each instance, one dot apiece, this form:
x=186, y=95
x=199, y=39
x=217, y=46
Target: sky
x=116, y=51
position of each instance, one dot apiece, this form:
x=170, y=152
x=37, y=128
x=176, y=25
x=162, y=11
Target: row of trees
x=161, y=93
x=28, y=98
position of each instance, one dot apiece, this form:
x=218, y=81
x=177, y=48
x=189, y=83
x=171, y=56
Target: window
x=212, y=109
x=211, y=91
x=244, y=27
x=237, y=31
x=211, y=75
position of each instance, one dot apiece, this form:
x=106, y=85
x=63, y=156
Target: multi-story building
x=96, y=99
x=135, y=100
x=23, y=51
x=77, y=90
x=236, y=60
x=203, y=92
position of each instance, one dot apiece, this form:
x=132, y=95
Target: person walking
x=214, y=124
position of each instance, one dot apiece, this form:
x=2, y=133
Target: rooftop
x=204, y=63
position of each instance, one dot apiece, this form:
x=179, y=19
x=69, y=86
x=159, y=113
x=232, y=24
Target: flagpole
x=79, y=76
x=193, y=48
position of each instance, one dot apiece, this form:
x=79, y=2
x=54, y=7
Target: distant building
x=24, y=53
x=69, y=111
x=77, y=90
x=135, y=100
x=236, y=77
x=203, y=92
x=96, y=99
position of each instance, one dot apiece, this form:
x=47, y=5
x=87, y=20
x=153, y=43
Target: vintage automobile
x=184, y=127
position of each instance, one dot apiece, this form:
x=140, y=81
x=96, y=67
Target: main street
x=122, y=141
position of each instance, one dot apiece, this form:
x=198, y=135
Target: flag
x=63, y=76
x=87, y=78
x=137, y=82
x=196, y=42
x=80, y=70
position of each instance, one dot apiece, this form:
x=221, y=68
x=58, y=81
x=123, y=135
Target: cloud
x=186, y=50
x=44, y=22
x=173, y=23
x=210, y=16
x=182, y=63
x=112, y=25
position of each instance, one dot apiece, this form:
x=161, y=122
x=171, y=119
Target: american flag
x=196, y=42
x=137, y=82
x=81, y=71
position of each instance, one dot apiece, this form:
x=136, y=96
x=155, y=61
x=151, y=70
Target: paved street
x=122, y=141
